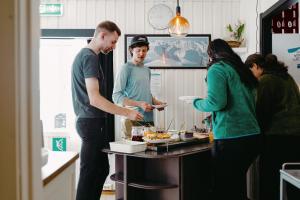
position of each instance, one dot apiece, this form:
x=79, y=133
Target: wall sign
x=60, y=120
x=287, y=49
x=155, y=83
x=287, y=21
x=51, y=9
x=59, y=144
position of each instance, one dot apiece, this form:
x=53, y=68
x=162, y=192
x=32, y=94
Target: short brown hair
x=108, y=26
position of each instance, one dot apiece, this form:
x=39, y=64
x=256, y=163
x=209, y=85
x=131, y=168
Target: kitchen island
x=181, y=173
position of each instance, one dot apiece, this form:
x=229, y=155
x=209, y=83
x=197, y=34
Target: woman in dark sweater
x=278, y=114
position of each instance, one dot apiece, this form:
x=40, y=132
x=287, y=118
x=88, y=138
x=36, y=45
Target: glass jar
x=137, y=133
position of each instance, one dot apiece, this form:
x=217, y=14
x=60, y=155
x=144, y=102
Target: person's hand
x=134, y=115
x=145, y=106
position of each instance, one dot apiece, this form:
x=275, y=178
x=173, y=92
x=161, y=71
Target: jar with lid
x=137, y=133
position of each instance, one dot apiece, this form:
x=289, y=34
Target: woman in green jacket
x=231, y=98
x=278, y=114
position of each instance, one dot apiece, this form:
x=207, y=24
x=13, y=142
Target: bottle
x=211, y=137
x=137, y=133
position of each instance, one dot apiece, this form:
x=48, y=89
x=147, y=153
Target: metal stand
x=291, y=176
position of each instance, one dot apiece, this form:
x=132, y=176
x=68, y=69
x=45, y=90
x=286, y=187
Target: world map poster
x=169, y=52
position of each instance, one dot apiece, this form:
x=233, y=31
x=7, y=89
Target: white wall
x=249, y=10
x=205, y=16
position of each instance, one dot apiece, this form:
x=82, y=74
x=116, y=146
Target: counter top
x=178, y=152
x=58, y=161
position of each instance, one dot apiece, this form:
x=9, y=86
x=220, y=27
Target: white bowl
x=128, y=146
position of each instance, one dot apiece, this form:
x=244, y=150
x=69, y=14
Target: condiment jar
x=137, y=133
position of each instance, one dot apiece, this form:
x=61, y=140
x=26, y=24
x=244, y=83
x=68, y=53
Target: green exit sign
x=51, y=9
x=59, y=144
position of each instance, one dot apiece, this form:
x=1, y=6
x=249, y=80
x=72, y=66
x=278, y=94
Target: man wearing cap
x=132, y=84
x=91, y=107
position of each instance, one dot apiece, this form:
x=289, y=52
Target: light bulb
x=179, y=26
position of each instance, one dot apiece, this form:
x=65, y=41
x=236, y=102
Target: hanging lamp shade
x=178, y=26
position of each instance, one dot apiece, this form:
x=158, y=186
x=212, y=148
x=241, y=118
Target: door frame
x=20, y=128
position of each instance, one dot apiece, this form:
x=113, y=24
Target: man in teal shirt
x=132, y=84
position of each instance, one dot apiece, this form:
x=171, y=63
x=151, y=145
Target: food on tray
x=163, y=135
x=156, y=136
x=150, y=135
x=188, y=134
x=159, y=106
x=138, y=138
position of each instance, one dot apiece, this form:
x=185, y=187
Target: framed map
x=174, y=53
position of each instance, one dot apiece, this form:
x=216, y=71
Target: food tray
x=157, y=141
x=169, y=146
x=128, y=146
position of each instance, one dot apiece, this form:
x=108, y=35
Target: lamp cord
x=178, y=8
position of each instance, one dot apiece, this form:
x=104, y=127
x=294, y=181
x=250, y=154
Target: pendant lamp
x=178, y=26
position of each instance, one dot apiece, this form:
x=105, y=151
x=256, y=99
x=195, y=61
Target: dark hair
x=138, y=45
x=108, y=26
x=269, y=64
x=219, y=50
x=257, y=59
x=273, y=65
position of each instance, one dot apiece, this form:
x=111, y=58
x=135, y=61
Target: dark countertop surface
x=178, y=152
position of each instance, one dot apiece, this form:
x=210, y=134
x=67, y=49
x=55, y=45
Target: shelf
x=119, y=178
x=152, y=185
x=240, y=50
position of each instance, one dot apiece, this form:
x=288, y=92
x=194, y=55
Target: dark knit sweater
x=278, y=105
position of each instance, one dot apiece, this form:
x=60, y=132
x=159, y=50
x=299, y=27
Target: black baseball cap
x=139, y=39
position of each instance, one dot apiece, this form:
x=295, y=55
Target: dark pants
x=276, y=151
x=231, y=159
x=94, y=166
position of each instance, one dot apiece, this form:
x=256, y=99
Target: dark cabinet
x=181, y=174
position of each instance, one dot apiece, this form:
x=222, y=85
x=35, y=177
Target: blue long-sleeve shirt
x=133, y=82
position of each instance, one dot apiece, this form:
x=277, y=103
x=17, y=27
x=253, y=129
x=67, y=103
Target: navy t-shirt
x=86, y=65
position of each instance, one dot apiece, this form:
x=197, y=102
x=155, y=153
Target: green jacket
x=278, y=105
x=232, y=104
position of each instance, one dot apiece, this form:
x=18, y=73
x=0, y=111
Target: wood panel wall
x=205, y=17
